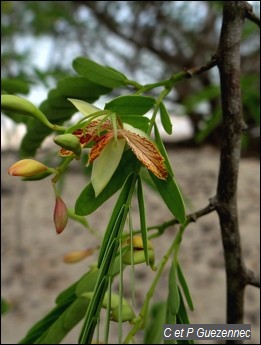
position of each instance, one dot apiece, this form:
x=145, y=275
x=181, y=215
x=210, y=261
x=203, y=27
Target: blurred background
x=148, y=42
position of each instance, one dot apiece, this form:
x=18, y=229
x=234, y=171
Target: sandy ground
x=33, y=271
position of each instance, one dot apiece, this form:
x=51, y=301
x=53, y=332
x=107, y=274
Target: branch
x=233, y=125
x=252, y=278
x=192, y=217
x=250, y=15
x=203, y=68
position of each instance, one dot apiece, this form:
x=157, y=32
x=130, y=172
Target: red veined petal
x=97, y=149
x=65, y=153
x=146, y=151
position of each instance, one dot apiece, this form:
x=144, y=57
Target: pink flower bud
x=60, y=215
x=26, y=168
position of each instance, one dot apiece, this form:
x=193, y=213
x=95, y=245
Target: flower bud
x=137, y=242
x=127, y=313
x=60, y=215
x=138, y=257
x=77, y=256
x=26, y=168
x=69, y=142
x=114, y=302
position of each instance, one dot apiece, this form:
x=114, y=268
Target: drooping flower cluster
x=107, y=137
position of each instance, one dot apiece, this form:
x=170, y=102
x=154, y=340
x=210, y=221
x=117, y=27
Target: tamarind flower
x=110, y=137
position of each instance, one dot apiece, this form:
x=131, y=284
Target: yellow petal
x=146, y=151
x=83, y=107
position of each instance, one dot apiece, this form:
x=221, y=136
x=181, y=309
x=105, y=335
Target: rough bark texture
x=233, y=125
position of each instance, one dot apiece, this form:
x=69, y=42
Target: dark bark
x=233, y=125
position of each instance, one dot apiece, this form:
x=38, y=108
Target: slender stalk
x=142, y=315
x=120, y=294
x=108, y=312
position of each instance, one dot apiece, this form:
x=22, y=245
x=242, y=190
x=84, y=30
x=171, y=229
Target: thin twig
x=203, y=68
x=192, y=217
x=252, y=278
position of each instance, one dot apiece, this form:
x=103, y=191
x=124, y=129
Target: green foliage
x=130, y=105
x=99, y=74
x=114, y=169
x=85, y=298
x=88, y=203
x=165, y=119
x=172, y=197
x=14, y=85
x=156, y=317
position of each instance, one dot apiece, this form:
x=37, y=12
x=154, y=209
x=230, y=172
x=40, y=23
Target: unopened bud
x=138, y=257
x=127, y=313
x=27, y=168
x=77, y=256
x=137, y=242
x=60, y=215
x=69, y=142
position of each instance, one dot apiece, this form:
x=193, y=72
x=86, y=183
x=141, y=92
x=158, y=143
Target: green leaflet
x=73, y=87
x=130, y=105
x=57, y=100
x=58, y=109
x=173, y=298
x=173, y=301
x=182, y=318
x=171, y=195
x=143, y=223
x=64, y=323
x=163, y=151
x=87, y=203
x=43, y=325
x=106, y=258
x=98, y=74
x=14, y=85
x=68, y=294
x=153, y=328
x=69, y=311
x=182, y=312
x=165, y=119
x=83, y=107
x=87, y=283
x=141, y=122
x=185, y=288
x=114, y=225
x=63, y=301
